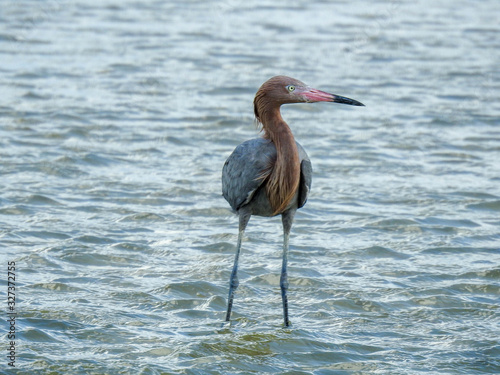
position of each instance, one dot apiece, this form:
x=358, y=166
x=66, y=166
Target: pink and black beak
x=313, y=95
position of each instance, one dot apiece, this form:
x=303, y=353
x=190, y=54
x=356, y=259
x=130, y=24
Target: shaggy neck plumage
x=284, y=173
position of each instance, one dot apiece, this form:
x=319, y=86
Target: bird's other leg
x=287, y=219
x=244, y=217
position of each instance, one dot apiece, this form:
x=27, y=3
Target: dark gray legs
x=287, y=219
x=233, y=281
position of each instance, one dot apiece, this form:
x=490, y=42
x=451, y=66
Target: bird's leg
x=287, y=219
x=244, y=217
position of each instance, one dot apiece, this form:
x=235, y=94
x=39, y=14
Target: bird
x=271, y=175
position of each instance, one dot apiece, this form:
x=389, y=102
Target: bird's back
x=242, y=175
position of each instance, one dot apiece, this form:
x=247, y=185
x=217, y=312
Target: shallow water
x=116, y=119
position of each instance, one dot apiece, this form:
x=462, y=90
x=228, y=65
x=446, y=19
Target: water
x=116, y=119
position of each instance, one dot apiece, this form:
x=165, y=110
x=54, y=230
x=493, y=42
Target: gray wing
x=241, y=172
x=305, y=176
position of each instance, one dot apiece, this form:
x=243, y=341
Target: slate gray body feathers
x=241, y=182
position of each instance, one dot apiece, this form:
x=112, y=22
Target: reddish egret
x=272, y=175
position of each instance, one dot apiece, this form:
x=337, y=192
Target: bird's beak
x=313, y=95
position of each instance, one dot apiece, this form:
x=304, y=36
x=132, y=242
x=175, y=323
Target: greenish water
x=116, y=119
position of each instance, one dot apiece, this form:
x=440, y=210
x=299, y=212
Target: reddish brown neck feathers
x=283, y=175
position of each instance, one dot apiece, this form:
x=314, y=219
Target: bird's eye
x=290, y=88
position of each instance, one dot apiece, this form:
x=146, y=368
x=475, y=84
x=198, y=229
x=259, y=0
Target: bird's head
x=283, y=90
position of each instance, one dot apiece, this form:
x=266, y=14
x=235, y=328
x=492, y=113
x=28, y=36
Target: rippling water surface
x=116, y=118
